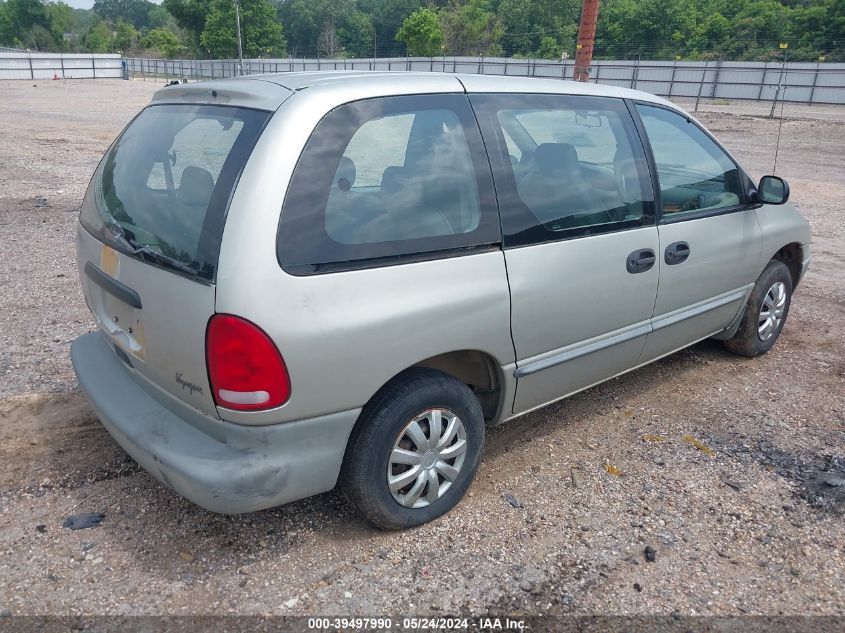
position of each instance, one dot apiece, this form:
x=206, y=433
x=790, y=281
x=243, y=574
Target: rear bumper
x=223, y=467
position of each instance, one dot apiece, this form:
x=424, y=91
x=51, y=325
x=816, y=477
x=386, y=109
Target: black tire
x=747, y=340
x=363, y=476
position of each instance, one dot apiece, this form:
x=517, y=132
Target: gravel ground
x=750, y=526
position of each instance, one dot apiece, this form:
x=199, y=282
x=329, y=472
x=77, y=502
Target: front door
x=710, y=241
x=580, y=241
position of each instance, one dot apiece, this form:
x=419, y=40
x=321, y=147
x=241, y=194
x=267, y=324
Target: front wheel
x=415, y=450
x=766, y=312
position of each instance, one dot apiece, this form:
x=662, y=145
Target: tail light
x=246, y=371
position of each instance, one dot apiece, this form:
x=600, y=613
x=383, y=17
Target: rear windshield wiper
x=127, y=240
x=151, y=255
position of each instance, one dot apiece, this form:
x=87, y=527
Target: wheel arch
x=477, y=369
x=792, y=255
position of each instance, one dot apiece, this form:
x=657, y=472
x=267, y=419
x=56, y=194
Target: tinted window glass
x=566, y=166
x=162, y=189
x=387, y=177
x=390, y=135
x=694, y=173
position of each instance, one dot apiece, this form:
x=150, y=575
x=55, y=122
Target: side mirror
x=772, y=190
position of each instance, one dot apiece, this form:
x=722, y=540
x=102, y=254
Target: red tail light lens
x=247, y=372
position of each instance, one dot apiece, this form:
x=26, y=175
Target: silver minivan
x=310, y=279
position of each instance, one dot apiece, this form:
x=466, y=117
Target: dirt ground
x=755, y=528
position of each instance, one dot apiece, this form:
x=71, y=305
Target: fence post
x=636, y=72
x=93, y=67
x=815, y=79
x=598, y=71
x=62, y=61
x=701, y=85
x=672, y=79
x=716, y=78
x=780, y=85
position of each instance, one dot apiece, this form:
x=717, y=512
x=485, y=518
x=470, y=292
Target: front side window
x=565, y=166
x=384, y=178
x=694, y=173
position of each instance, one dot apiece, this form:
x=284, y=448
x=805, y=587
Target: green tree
x=471, y=28
x=135, y=12
x=99, y=39
x=356, y=35
x=527, y=22
x=653, y=29
x=164, y=41
x=159, y=17
x=61, y=20
x=326, y=27
x=261, y=30
x=7, y=30
x=24, y=14
x=126, y=37
x=422, y=34
x=190, y=15
x=549, y=48
x=40, y=39
x=387, y=17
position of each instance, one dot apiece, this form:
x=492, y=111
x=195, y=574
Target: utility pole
x=240, y=44
x=586, y=39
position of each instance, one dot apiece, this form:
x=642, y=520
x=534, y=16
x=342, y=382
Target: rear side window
x=162, y=189
x=382, y=179
x=565, y=166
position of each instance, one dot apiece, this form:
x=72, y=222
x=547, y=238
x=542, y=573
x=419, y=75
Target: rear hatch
x=151, y=226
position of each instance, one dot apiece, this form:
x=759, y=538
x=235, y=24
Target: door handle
x=640, y=261
x=676, y=253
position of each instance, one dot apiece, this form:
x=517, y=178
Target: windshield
x=162, y=189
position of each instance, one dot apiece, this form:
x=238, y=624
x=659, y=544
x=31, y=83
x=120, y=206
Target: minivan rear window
x=162, y=190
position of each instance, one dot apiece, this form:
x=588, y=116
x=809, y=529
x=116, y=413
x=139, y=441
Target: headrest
x=196, y=186
x=344, y=177
x=555, y=157
x=393, y=179
x=622, y=153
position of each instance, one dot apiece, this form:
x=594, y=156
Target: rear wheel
x=415, y=450
x=766, y=312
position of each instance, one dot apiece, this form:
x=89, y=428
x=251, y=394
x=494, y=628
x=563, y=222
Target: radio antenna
x=780, y=127
x=781, y=87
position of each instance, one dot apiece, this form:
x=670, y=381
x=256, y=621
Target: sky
x=87, y=4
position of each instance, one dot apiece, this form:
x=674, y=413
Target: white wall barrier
x=23, y=65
